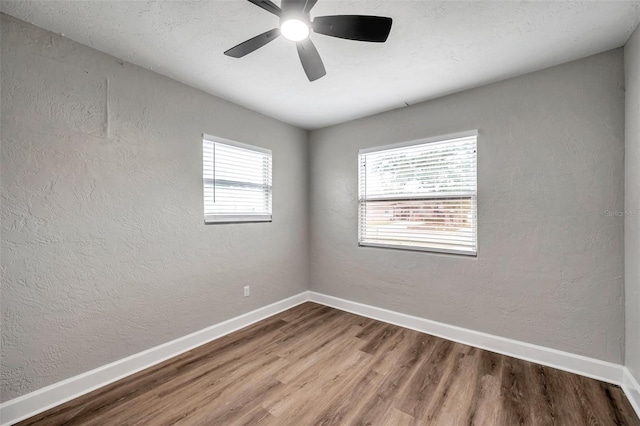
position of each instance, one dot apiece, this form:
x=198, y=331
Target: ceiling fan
x=295, y=25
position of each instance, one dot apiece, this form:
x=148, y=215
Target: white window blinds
x=236, y=182
x=420, y=196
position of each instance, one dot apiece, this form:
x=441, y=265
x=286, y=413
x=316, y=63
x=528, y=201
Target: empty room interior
x=320, y=212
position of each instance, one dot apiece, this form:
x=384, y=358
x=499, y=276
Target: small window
x=236, y=182
x=420, y=195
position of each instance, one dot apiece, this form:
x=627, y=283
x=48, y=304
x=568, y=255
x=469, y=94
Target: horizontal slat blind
x=236, y=182
x=421, y=196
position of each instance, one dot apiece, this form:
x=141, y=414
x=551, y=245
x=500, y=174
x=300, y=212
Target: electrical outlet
x=247, y=291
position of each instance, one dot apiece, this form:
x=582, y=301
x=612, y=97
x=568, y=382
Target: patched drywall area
x=549, y=269
x=104, y=250
x=632, y=203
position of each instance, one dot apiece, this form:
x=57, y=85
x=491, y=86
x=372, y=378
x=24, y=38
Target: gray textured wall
x=632, y=204
x=104, y=253
x=104, y=250
x=549, y=269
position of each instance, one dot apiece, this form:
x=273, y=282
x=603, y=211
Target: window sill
x=416, y=248
x=236, y=219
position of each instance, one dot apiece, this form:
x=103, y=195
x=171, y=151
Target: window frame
x=216, y=219
x=452, y=195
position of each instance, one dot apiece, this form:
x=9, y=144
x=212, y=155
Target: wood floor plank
x=439, y=409
x=219, y=392
x=378, y=340
x=416, y=350
x=306, y=401
x=193, y=377
x=342, y=406
x=315, y=365
x=395, y=417
x=302, y=346
x=371, y=329
x=483, y=408
x=564, y=406
x=611, y=401
x=315, y=358
x=391, y=355
x=454, y=395
x=299, y=310
x=537, y=394
x=514, y=393
x=238, y=403
x=419, y=389
x=318, y=370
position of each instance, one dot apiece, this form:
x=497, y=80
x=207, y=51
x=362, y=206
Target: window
x=420, y=195
x=236, y=181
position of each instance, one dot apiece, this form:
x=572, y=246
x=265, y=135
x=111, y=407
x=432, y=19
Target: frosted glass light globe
x=294, y=30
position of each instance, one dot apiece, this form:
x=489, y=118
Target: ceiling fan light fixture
x=295, y=25
x=294, y=29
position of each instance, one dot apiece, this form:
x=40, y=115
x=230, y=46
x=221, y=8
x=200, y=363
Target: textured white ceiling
x=434, y=48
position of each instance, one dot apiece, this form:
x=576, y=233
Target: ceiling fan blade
x=267, y=5
x=310, y=58
x=293, y=5
x=354, y=27
x=309, y=5
x=252, y=44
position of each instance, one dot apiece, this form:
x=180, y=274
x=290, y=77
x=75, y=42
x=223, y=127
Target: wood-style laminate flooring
x=314, y=365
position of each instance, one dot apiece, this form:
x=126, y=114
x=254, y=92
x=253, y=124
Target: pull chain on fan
x=296, y=25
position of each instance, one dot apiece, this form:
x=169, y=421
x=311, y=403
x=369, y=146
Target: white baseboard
x=584, y=366
x=48, y=397
x=631, y=389
x=43, y=399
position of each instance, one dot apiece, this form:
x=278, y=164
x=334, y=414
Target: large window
x=420, y=195
x=236, y=181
